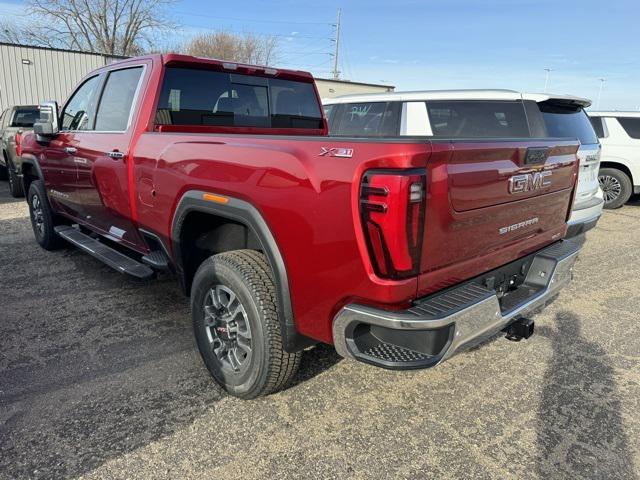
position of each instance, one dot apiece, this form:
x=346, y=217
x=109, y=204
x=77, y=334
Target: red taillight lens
x=18, y=144
x=392, y=205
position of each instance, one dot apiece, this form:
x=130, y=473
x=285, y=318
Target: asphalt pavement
x=100, y=378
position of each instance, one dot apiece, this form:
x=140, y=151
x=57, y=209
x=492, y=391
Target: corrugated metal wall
x=30, y=75
x=335, y=88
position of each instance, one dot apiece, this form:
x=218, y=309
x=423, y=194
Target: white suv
x=474, y=114
x=619, y=134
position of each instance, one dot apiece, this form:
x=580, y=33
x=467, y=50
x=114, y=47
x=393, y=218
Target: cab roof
x=177, y=59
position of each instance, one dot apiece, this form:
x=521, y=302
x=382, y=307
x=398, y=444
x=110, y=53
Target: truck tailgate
x=489, y=203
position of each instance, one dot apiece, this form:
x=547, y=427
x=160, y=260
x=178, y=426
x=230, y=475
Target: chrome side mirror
x=47, y=125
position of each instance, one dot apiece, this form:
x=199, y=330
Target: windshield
x=567, y=121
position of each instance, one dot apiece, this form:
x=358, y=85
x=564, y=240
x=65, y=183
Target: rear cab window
x=25, y=117
x=211, y=98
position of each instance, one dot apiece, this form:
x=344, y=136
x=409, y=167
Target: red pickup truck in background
x=399, y=251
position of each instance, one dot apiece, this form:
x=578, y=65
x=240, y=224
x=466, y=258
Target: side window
x=631, y=125
x=597, y=124
x=327, y=110
x=478, y=119
x=75, y=115
x=371, y=119
x=117, y=100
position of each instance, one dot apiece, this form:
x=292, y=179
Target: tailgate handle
x=536, y=155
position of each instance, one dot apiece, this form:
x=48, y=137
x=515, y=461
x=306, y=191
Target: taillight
x=18, y=144
x=392, y=205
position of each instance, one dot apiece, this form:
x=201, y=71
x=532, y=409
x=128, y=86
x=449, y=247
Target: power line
x=253, y=21
x=258, y=34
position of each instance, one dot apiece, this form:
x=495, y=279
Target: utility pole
x=336, y=73
x=602, y=80
x=546, y=79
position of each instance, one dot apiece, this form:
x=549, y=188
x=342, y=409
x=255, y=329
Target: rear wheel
x=233, y=305
x=616, y=187
x=15, y=182
x=43, y=220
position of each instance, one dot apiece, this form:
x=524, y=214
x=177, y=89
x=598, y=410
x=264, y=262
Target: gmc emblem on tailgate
x=528, y=182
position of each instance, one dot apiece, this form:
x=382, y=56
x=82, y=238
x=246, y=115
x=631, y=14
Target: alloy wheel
x=227, y=327
x=37, y=214
x=611, y=187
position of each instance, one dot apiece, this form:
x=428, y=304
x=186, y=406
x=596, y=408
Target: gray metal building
x=29, y=75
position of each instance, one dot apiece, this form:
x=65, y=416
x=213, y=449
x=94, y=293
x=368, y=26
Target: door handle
x=70, y=150
x=116, y=155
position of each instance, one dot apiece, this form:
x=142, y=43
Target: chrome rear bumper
x=435, y=327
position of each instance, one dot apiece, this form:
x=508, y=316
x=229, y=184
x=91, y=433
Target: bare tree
x=236, y=48
x=115, y=27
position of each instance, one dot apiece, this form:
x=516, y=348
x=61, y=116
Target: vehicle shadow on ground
x=95, y=364
x=315, y=361
x=5, y=197
x=580, y=433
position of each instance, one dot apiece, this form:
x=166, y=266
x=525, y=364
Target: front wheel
x=616, y=187
x=43, y=220
x=235, y=319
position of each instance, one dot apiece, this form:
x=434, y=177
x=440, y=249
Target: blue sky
x=441, y=44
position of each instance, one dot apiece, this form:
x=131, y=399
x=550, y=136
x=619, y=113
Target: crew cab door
x=58, y=158
x=102, y=184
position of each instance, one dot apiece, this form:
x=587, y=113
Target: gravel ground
x=100, y=378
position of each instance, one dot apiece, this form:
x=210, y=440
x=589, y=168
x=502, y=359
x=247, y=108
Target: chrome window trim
x=133, y=103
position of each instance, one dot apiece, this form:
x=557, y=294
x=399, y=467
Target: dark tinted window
x=567, y=121
x=76, y=113
x=117, y=99
x=596, y=123
x=371, y=119
x=25, y=117
x=535, y=120
x=631, y=126
x=202, y=97
x=478, y=119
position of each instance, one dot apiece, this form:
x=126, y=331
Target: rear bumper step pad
x=437, y=326
x=109, y=256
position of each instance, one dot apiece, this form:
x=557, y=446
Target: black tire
x=616, y=186
x=3, y=172
x=15, y=182
x=43, y=220
x=267, y=367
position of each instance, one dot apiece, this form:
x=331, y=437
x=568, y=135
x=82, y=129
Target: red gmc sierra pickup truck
x=398, y=251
